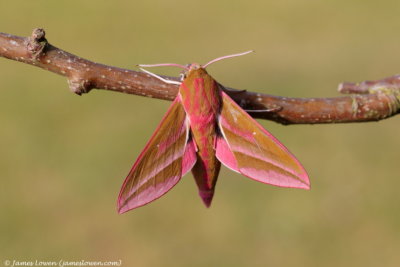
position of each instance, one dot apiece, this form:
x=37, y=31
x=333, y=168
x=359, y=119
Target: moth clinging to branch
x=203, y=128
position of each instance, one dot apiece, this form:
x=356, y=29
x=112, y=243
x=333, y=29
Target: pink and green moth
x=203, y=128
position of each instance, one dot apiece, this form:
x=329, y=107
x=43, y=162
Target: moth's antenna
x=163, y=65
x=160, y=78
x=228, y=56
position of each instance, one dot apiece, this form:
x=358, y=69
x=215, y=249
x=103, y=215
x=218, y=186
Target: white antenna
x=160, y=78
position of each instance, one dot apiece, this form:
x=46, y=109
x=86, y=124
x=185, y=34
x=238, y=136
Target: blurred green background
x=63, y=158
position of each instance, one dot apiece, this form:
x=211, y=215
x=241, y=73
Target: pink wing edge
x=188, y=161
x=226, y=156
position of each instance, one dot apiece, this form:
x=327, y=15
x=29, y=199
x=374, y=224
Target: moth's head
x=194, y=66
x=190, y=68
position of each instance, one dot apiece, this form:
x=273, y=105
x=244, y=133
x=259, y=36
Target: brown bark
x=369, y=101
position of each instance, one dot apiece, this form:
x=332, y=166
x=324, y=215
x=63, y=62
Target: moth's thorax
x=200, y=93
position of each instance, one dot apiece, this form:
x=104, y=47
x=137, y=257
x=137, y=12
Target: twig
x=372, y=101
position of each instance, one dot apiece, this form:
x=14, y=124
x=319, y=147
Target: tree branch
x=370, y=101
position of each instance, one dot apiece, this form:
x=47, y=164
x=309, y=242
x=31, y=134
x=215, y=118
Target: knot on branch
x=386, y=90
x=36, y=43
x=79, y=85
